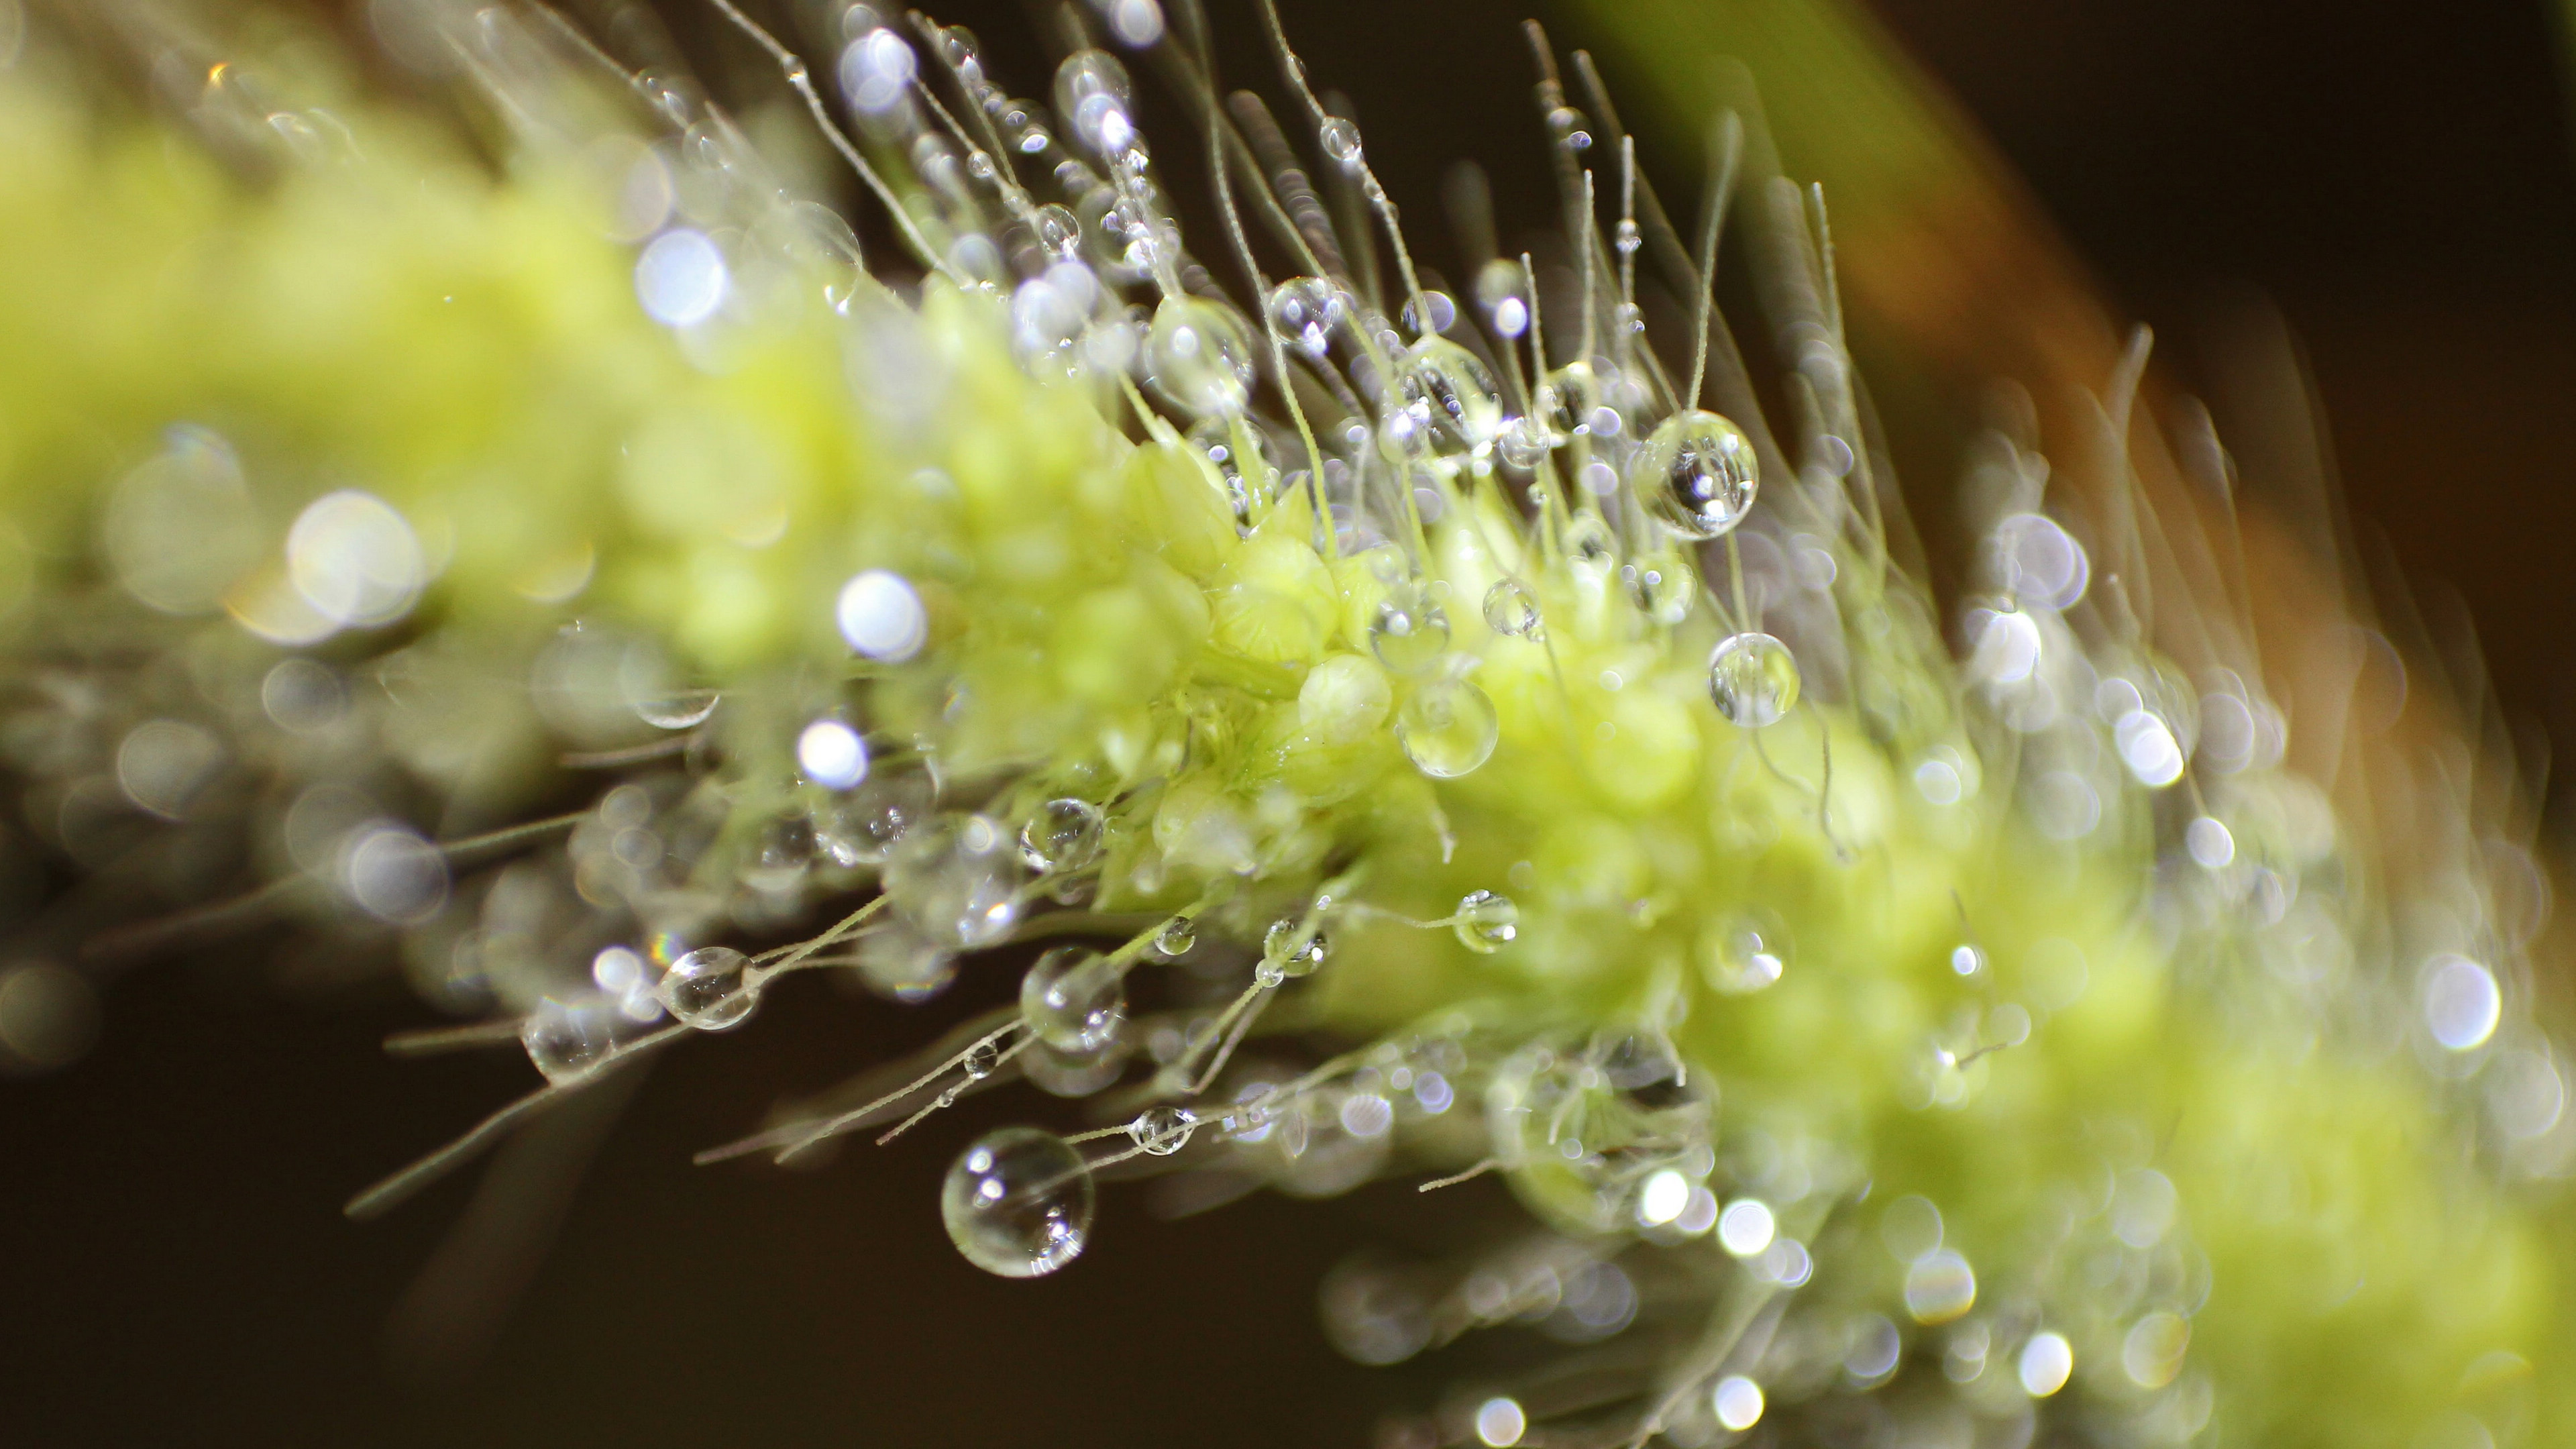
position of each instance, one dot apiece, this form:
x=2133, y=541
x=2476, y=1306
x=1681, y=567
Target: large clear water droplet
x=1303, y=312
x=1662, y=587
x=859, y=826
x=1511, y=609
x=1445, y=405
x=1178, y=935
x=1162, y=1130
x=709, y=988
x=567, y=1040
x=1697, y=475
x=781, y=853
x=1018, y=1202
x=1340, y=139
x=1058, y=231
x=1094, y=98
x=1447, y=728
x=1063, y=835
x=1197, y=357
x=1410, y=631
x=956, y=877
x=1754, y=679
x=1486, y=922
x=1074, y=999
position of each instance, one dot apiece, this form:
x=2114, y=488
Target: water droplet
x=1737, y=1402
x=1747, y=1226
x=1249, y=478
x=1967, y=959
x=881, y=616
x=1074, y=999
x=1444, y=313
x=1292, y=952
x=681, y=278
x=781, y=852
x=1500, y=1423
x=1448, y=728
x=1058, y=232
x=1177, y=936
x=2152, y=1353
x=2047, y=1361
x=1018, y=1202
x=1939, y=1286
x=683, y=710
x=709, y=988
x=956, y=877
x=1747, y=953
x=832, y=755
x=875, y=70
x=1303, y=312
x=2148, y=747
x=1523, y=443
x=567, y=1040
x=1445, y=405
x=1486, y=922
x=1512, y=609
x=1502, y=289
x=1064, y=835
x=2211, y=844
x=2462, y=1003
x=1410, y=630
x=1754, y=679
x=1162, y=1131
x=1697, y=475
x=858, y=826
x=1198, y=358
x=1340, y=139
x=980, y=1061
x=1566, y=126
x=1094, y=98
x=1662, y=587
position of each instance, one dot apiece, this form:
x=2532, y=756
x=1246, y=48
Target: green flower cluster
x=1970, y=1050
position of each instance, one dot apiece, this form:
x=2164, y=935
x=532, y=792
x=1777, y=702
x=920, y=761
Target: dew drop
x=859, y=826
x=1303, y=312
x=1737, y=1402
x=1018, y=1202
x=2462, y=1003
x=1486, y=922
x=1661, y=586
x=1177, y=936
x=1198, y=358
x=881, y=616
x=1697, y=475
x=683, y=710
x=1074, y=999
x=1094, y=98
x=1524, y=443
x=1754, y=679
x=2046, y=1362
x=1939, y=1286
x=1064, y=835
x=1057, y=231
x=1502, y=289
x=1511, y=609
x=1340, y=139
x=781, y=852
x=956, y=877
x=981, y=1061
x=709, y=988
x=832, y=755
x=1448, y=728
x=567, y=1040
x=1291, y=953
x=1410, y=631
x=1162, y=1131
x=1445, y=405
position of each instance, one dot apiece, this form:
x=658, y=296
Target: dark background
x=173, y=1265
